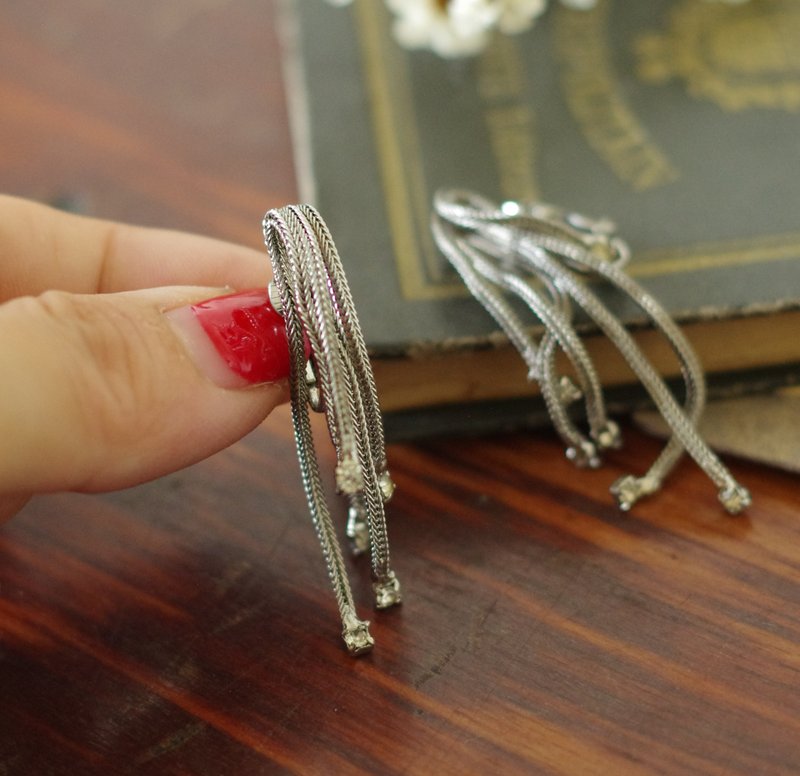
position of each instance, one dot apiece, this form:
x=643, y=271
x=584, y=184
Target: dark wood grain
x=186, y=626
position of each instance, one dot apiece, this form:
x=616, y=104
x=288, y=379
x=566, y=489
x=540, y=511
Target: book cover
x=679, y=119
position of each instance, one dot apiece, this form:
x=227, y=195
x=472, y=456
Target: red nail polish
x=248, y=334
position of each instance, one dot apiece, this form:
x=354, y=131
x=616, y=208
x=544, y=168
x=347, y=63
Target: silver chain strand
x=546, y=228
x=629, y=489
x=507, y=248
x=540, y=359
x=314, y=299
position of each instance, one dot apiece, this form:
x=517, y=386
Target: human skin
x=102, y=385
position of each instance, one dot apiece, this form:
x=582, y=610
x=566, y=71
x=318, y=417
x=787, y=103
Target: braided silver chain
x=312, y=294
x=521, y=249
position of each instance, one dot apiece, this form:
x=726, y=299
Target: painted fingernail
x=236, y=340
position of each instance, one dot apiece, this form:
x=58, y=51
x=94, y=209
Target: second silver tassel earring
x=545, y=256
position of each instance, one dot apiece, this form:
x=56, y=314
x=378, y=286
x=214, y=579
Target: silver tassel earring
x=331, y=373
x=545, y=257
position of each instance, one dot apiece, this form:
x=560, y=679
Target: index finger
x=42, y=248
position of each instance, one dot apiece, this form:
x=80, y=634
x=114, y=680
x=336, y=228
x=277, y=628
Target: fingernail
x=236, y=340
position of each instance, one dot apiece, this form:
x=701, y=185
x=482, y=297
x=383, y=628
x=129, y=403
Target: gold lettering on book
x=510, y=120
x=596, y=102
x=737, y=56
x=511, y=132
x=501, y=73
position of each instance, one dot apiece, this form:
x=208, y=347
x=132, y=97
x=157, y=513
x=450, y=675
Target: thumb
x=105, y=391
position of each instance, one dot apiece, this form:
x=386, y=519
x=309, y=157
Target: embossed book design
x=678, y=120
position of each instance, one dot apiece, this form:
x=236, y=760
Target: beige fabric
x=765, y=429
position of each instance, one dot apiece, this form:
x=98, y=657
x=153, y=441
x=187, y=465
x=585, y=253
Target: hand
x=118, y=375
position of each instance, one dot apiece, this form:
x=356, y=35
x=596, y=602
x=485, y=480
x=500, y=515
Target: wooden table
x=186, y=626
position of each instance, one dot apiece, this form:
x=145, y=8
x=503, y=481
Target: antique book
x=677, y=119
